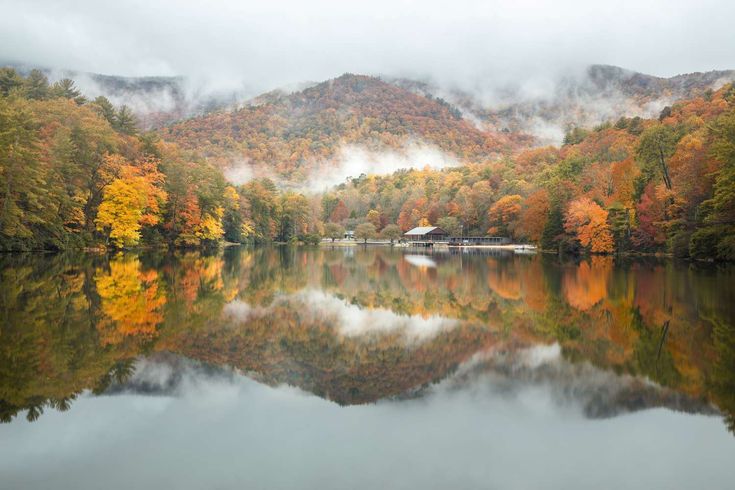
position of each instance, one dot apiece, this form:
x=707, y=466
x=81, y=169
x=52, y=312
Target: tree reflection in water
x=356, y=326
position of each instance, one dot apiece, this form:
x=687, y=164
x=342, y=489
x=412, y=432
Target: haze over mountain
x=345, y=126
x=315, y=135
x=155, y=100
x=295, y=136
x=547, y=108
x=542, y=107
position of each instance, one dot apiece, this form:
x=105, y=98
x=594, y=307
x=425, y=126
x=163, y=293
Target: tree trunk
x=664, y=168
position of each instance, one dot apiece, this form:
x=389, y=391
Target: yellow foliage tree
x=120, y=213
x=210, y=227
x=129, y=202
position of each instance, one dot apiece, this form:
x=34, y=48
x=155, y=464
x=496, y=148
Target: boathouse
x=426, y=234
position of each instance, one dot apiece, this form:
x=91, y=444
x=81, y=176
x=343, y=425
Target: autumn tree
x=450, y=224
x=22, y=177
x=334, y=231
x=232, y=219
x=210, y=229
x=294, y=216
x=365, y=231
x=533, y=216
x=373, y=216
x=716, y=238
x=120, y=213
x=587, y=221
x=392, y=232
x=649, y=233
x=656, y=146
x=503, y=215
x=339, y=213
x=130, y=202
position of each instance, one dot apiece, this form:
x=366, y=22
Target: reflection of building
x=426, y=234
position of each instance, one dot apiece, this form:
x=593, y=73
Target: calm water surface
x=364, y=368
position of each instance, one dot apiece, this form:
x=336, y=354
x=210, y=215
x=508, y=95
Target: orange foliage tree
x=534, y=216
x=503, y=215
x=587, y=221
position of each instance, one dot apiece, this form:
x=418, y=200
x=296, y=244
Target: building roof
x=425, y=230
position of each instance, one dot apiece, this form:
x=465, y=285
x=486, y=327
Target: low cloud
x=352, y=161
x=256, y=46
x=239, y=172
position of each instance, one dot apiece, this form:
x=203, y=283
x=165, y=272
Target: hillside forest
x=78, y=173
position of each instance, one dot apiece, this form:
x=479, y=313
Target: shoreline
x=349, y=244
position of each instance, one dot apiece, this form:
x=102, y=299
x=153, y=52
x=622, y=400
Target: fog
x=256, y=46
x=231, y=432
x=353, y=161
x=350, y=161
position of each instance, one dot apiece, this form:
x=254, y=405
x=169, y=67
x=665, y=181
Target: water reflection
x=363, y=325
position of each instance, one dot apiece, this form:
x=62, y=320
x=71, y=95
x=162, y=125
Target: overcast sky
x=275, y=43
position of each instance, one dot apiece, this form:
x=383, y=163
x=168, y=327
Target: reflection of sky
x=420, y=260
x=350, y=320
x=231, y=432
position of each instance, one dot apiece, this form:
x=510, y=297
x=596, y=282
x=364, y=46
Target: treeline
x=639, y=185
x=77, y=173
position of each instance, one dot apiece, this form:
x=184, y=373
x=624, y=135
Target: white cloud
x=232, y=44
x=241, y=434
x=352, y=161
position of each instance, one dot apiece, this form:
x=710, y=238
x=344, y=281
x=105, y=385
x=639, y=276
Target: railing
x=462, y=240
x=478, y=240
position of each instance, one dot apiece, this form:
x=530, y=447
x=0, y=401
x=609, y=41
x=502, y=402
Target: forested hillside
x=78, y=173
x=644, y=185
x=289, y=135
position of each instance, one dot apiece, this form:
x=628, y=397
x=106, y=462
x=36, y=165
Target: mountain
x=548, y=108
x=292, y=135
x=320, y=135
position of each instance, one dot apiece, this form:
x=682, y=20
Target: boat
x=524, y=249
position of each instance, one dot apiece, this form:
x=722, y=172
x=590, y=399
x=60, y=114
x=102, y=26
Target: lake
x=365, y=368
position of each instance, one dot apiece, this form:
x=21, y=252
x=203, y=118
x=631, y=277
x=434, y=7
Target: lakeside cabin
x=426, y=234
x=429, y=235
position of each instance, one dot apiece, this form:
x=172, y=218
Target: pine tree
x=125, y=121
x=36, y=85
